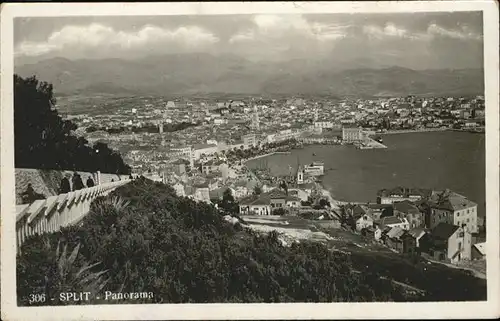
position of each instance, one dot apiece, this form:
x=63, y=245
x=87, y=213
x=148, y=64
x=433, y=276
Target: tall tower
x=160, y=127
x=315, y=115
x=166, y=113
x=300, y=175
x=255, y=118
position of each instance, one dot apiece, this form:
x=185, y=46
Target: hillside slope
x=148, y=239
x=204, y=73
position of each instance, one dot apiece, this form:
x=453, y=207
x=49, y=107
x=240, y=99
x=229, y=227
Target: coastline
x=409, y=131
x=265, y=155
x=336, y=204
x=259, y=156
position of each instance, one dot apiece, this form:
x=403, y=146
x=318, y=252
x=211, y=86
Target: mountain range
x=201, y=73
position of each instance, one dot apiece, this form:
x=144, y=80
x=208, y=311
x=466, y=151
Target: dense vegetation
x=43, y=140
x=245, y=153
x=167, y=128
x=144, y=238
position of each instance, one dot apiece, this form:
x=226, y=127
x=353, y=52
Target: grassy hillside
x=144, y=238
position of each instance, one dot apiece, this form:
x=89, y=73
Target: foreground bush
x=42, y=139
x=147, y=239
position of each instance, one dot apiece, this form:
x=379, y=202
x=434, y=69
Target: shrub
x=279, y=211
x=184, y=251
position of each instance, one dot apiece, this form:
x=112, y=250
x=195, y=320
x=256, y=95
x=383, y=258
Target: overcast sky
x=418, y=40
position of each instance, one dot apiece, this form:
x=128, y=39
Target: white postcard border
x=490, y=308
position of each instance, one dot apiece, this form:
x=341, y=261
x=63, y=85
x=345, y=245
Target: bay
x=434, y=160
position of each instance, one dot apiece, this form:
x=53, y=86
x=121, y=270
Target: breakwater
x=407, y=131
x=429, y=160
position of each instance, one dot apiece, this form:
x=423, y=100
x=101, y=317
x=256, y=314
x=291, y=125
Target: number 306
x=37, y=298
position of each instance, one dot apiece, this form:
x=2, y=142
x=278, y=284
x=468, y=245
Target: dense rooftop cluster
x=227, y=122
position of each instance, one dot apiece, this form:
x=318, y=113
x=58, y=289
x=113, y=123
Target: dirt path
x=476, y=273
x=405, y=285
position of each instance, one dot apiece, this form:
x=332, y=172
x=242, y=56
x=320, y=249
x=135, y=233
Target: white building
x=352, y=134
x=204, y=149
x=300, y=175
x=184, y=153
x=179, y=189
x=202, y=194
x=452, y=208
x=220, y=121
x=314, y=169
x=323, y=124
x=249, y=140
x=393, y=221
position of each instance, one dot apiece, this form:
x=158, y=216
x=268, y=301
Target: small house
x=393, y=238
x=417, y=234
x=407, y=209
x=478, y=251
x=447, y=242
x=278, y=198
x=292, y=201
x=255, y=205
x=393, y=221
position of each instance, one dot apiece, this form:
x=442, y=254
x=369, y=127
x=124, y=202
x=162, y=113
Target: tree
x=279, y=211
x=345, y=214
x=324, y=203
x=388, y=211
x=143, y=232
x=42, y=139
x=257, y=190
x=284, y=186
x=228, y=203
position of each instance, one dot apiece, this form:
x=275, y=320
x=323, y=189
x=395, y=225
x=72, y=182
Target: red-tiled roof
x=203, y=146
x=416, y=232
x=359, y=210
x=395, y=232
x=451, y=201
x=443, y=231
x=389, y=220
x=292, y=199
x=405, y=192
x=406, y=207
x=276, y=193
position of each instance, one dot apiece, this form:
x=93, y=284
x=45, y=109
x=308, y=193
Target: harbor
x=370, y=143
x=354, y=175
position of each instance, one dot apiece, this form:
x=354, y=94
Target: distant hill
x=190, y=74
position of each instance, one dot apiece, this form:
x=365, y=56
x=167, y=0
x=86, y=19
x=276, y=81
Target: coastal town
x=235, y=158
x=201, y=149
x=151, y=133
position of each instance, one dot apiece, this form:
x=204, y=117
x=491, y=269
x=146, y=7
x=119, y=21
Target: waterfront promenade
x=406, y=131
x=370, y=143
x=263, y=155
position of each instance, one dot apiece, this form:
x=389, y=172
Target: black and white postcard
x=239, y=160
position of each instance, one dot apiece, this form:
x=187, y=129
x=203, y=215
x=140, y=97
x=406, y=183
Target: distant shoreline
x=409, y=131
x=429, y=130
x=259, y=156
x=264, y=155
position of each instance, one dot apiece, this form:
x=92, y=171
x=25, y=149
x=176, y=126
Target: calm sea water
x=434, y=160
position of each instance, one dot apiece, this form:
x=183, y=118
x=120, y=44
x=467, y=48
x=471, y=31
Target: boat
x=314, y=169
x=314, y=154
